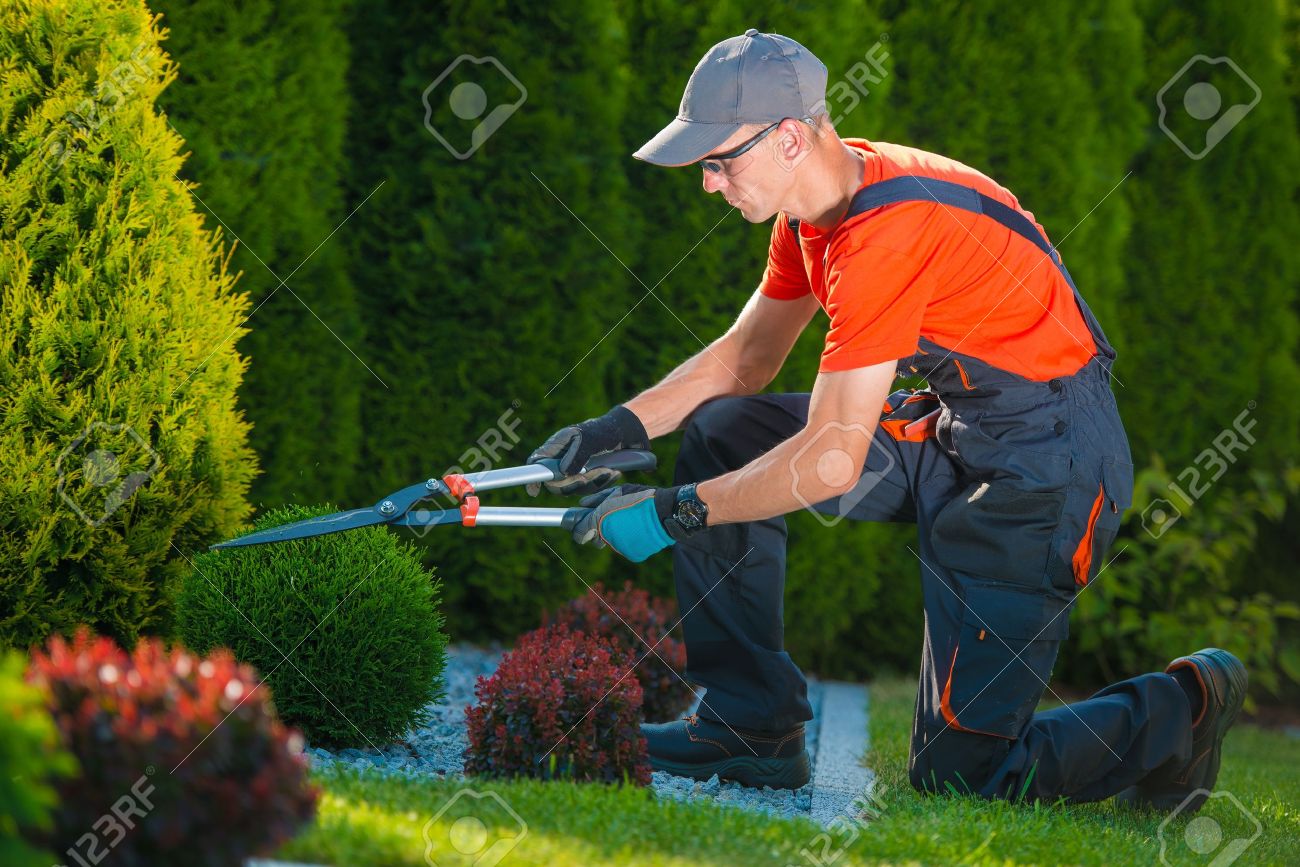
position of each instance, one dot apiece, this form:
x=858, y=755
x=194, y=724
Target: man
x=1013, y=462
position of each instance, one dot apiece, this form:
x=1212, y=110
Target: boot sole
x=789, y=773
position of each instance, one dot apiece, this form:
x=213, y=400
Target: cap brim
x=683, y=142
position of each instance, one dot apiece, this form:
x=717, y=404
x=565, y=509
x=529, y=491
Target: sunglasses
x=713, y=164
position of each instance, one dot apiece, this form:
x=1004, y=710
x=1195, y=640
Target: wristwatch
x=691, y=512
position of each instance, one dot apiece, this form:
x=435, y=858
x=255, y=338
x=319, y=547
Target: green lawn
x=1259, y=769
x=368, y=821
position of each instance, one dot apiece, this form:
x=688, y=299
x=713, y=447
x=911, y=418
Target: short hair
x=820, y=121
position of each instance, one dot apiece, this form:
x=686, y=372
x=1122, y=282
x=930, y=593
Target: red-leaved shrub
x=556, y=708
x=660, y=673
x=182, y=758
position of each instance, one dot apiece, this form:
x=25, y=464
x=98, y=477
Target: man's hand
x=576, y=444
x=631, y=519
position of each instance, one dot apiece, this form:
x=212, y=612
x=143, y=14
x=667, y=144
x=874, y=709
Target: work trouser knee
x=731, y=577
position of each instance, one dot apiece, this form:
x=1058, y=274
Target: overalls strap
x=910, y=188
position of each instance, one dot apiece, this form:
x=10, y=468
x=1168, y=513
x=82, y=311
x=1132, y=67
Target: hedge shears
x=397, y=509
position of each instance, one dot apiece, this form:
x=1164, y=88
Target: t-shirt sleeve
x=875, y=298
x=784, y=278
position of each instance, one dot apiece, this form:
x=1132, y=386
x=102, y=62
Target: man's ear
x=794, y=141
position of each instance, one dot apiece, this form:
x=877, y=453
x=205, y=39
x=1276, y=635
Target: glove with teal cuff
x=634, y=520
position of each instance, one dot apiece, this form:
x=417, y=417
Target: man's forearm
x=793, y=475
x=712, y=372
x=822, y=461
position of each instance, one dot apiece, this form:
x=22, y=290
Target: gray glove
x=576, y=444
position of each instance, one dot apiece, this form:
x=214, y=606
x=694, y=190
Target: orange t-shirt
x=919, y=268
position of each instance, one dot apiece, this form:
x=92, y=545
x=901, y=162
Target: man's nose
x=713, y=181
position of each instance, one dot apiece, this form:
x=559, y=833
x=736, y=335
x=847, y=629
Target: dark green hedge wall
x=482, y=292
x=262, y=102
x=490, y=295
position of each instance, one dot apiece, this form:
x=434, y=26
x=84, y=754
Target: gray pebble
x=436, y=749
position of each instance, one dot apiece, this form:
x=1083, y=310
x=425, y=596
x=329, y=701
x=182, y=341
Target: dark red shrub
x=182, y=758
x=559, y=706
x=666, y=693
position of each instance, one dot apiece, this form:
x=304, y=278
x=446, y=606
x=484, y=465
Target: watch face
x=691, y=514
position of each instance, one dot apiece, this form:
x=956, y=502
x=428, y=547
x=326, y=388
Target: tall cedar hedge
x=480, y=287
x=116, y=366
x=481, y=243
x=262, y=102
x=1213, y=271
x=477, y=289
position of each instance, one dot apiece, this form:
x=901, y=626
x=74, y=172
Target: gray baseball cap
x=752, y=78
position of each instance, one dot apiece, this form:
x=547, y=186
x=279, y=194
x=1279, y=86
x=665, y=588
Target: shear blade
x=304, y=529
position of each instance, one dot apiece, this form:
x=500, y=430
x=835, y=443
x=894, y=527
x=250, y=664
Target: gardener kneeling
x=1013, y=462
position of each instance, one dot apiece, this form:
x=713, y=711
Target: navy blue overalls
x=1017, y=488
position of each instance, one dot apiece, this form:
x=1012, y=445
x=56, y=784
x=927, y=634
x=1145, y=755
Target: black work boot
x=699, y=748
x=1222, y=679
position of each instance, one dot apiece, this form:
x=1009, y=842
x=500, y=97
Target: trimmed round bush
x=355, y=613
x=182, y=760
x=637, y=613
x=559, y=707
x=30, y=758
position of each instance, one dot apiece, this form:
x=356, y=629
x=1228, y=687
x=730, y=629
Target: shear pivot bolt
x=431, y=484
x=387, y=507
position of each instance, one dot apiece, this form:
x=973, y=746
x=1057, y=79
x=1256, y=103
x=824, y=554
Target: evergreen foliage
x=120, y=438
x=346, y=626
x=261, y=99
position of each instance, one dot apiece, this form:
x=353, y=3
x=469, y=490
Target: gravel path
x=783, y=802
x=437, y=748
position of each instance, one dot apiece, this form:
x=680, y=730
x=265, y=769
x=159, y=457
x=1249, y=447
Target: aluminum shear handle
x=397, y=508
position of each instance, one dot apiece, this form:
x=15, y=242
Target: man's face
x=754, y=183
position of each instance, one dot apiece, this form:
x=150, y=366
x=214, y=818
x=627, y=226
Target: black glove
x=576, y=444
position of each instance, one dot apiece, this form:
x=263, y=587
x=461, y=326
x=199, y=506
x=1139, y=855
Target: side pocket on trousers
x=997, y=531
x=1114, y=494
x=1003, y=660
